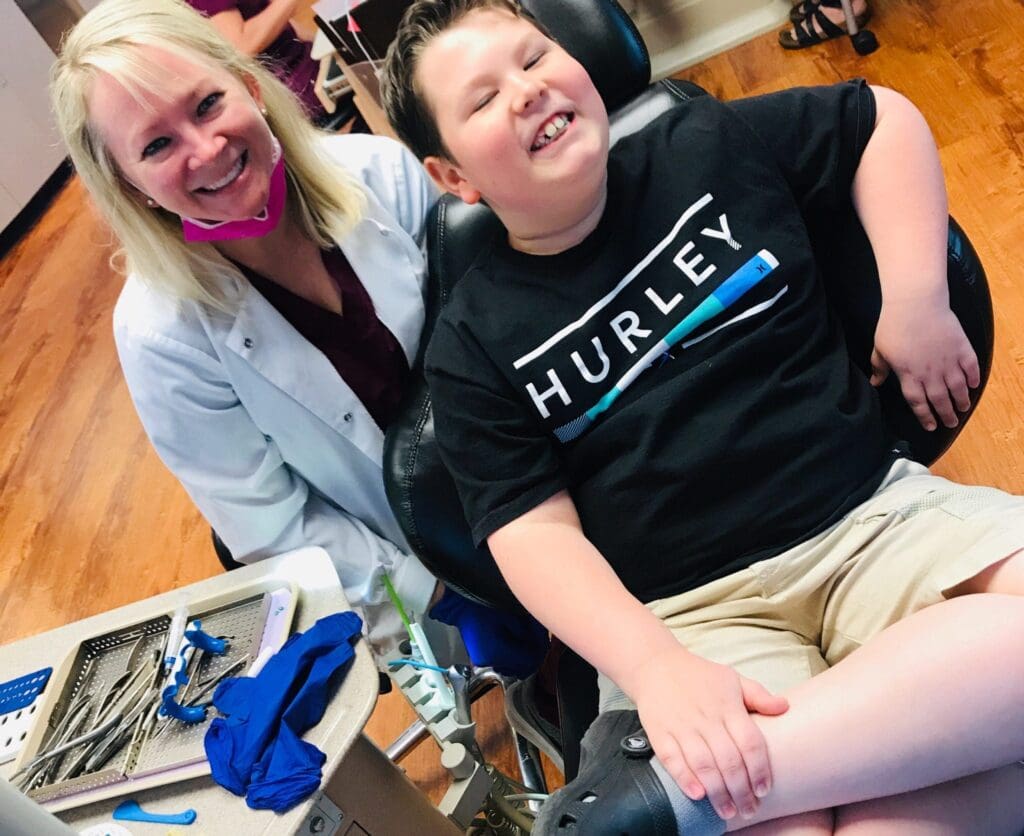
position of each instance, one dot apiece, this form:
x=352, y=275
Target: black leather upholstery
x=604, y=39
x=851, y=277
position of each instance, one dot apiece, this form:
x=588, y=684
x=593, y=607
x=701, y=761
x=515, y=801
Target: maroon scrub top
x=360, y=347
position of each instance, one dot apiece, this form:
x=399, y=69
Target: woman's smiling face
x=198, y=145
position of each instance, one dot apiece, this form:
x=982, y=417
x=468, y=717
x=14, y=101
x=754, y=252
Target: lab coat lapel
x=389, y=265
x=301, y=371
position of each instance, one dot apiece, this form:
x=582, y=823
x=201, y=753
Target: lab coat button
x=247, y=342
x=347, y=416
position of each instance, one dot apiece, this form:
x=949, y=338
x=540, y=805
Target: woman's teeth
x=228, y=178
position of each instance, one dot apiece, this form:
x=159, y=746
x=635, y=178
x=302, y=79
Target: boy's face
x=521, y=117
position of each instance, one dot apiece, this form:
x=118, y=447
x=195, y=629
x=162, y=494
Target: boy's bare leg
x=934, y=697
x=1005, y=577
x=817, y=823
x=985, y=803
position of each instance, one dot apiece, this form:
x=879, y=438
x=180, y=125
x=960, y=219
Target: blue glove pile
x=257, y=750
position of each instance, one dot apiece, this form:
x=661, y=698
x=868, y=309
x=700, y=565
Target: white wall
x=29, y=149
x=679, y=33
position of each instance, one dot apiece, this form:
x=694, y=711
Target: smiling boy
x=649, y=409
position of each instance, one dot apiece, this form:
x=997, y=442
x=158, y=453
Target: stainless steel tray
x=170, y=750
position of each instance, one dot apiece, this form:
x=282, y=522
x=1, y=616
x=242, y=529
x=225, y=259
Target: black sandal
x=809, y=34
x=802, y=8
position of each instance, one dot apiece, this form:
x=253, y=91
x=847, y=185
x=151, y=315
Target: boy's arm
x=900, y=197
x=695, y=712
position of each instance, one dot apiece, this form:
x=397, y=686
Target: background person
x=264, y=29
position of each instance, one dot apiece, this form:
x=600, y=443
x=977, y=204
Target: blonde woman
x=274, y=297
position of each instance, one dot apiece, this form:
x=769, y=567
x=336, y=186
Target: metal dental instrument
x=67, y=728
x=54, y=737
x=76, y=728
x=67, y=747
x=129, y=733
x=114, y=699
x=59, y=735
x=136, y=646
x=192, y=671
x=205, y=687
x=118, y=705
x=210, y=683
x=93, y=757
x=111, y=692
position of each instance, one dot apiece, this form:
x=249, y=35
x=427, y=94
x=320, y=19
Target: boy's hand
x=697, y=717
x=927, y=348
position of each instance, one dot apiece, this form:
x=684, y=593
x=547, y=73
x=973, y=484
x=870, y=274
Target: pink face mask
x=264, y=223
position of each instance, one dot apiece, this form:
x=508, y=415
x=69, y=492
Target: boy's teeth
x=553, y=128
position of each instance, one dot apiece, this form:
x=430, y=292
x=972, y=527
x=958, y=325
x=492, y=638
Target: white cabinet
x=29, y=149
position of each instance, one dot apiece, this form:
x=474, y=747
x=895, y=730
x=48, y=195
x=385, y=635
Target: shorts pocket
x=959, y=501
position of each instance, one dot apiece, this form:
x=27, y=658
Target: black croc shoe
x=616, y=792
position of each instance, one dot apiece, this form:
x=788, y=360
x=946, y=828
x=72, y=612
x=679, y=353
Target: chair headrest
x=602, y=37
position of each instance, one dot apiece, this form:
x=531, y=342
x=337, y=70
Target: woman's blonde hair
x=322, y=197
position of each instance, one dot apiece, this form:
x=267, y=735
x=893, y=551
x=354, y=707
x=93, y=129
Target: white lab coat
x=272, y=445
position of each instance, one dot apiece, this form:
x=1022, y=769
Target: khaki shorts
x=781, y=621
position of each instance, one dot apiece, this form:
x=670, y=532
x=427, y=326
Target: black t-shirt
x=678, y=371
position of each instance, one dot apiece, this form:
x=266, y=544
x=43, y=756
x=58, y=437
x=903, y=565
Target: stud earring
x=150, y=203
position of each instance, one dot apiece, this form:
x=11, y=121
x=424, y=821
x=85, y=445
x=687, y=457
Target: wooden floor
x=89, y=517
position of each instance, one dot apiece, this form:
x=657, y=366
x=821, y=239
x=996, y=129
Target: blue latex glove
x=512, y=644
x=257, y=750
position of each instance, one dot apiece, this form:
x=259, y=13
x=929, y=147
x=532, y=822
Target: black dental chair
x=604, y=39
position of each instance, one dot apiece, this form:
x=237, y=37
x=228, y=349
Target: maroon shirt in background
x=361, y=348
x=288, y=56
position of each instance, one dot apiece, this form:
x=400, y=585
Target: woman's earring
x=150, y=203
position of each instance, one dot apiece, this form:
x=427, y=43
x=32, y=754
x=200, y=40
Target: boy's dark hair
x=405, y=106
